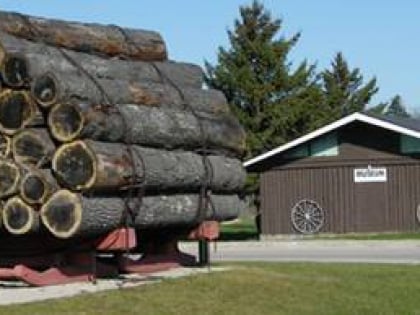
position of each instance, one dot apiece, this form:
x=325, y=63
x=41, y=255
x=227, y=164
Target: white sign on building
x=370, y=175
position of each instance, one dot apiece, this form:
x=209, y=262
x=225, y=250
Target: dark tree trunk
x=33, y=146
x=106, y=40
x=17, y=110
x=91, y=165
x=37, y=185
x=150, y=126
x=9, y=178
x=19, y=218
x=23, y=60
x=63, y=87
x=67, y=214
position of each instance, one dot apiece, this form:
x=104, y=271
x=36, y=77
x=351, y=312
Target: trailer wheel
x=307, y=217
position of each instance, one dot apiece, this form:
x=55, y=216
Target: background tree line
x=277, y=101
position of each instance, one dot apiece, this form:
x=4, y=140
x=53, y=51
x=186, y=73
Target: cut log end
x=15, y=71
x=65, y=122
x=35, y=188
x=5, y=146
x=16, y=111
x=31, y=146
x=75, y=165
x=44, y=90
x=18, y=217
x=62, y=214
x=9, y=178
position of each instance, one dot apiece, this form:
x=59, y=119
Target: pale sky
x=381, y=37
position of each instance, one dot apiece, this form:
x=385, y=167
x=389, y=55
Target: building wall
x=349, y=206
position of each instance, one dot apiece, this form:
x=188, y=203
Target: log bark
x=150, y=126
x=92, y=165
x=17, y=110
x=33, y=146
x=63, y=87
x=9, y=178
x=67, y=214
x=19, y=218
x=23, y=60
x=109, y=40
x=37, y=185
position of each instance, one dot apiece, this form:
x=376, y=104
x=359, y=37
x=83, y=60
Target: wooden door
x=370, y=207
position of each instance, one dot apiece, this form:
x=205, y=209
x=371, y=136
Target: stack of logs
x=98, y=130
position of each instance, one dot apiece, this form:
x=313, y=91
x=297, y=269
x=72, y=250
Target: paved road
x=407, y=252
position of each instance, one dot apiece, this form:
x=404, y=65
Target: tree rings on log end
x=16, y=110
x=65, y=122
x=18, y=217
x=44, y=89
x=74, y=164
x=15, y=70
x=32, y=146
x=9, y=178
x=62, y=214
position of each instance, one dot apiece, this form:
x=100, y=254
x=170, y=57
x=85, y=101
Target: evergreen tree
x=344, y=90
x=379, y=109
x=396, y=108
x=274, y=100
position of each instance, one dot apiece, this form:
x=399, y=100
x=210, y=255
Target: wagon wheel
x=307, y=217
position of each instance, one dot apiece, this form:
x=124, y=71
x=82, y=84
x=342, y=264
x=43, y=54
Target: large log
x=109, y=40
x=22, y=60
x=17, y=110
x=157, y=127
x=92, y=165
x=33, y=146
x=10, y=175
x=37, y=185
x=67, y=214
x=19, y=218
x=62, y=87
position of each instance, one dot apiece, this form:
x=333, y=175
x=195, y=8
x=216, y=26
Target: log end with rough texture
x=62, y=214
x=18, y=217
x=5, y=146
x=32, y=146
x=36, y=188
x=9, y=178
x=14, y=71
x=45, y=90
x=75, y=165
x=65, y=122
x=16, y=110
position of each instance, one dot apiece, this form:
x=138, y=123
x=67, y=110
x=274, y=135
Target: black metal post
x=203, y=253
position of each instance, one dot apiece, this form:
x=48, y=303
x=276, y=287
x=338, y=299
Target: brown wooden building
x=358, y=174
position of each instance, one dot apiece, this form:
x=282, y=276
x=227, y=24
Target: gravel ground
x=16, y=292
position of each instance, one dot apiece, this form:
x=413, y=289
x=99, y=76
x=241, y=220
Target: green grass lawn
x=244, y=229
x=257, y=289
x=373, y=236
